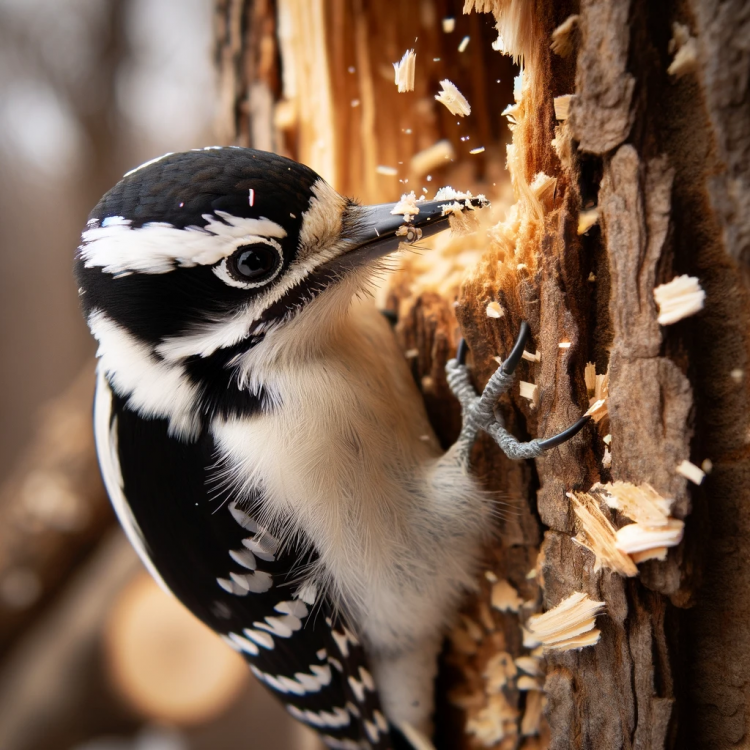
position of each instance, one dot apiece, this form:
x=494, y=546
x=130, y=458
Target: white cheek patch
x=118, y=248
x=153, y=388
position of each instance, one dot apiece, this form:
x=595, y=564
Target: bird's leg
x=479, y=412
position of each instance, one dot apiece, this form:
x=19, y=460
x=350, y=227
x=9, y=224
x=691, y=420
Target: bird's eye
x=254, y=263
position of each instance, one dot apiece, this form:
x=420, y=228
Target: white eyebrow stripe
x=118, y=248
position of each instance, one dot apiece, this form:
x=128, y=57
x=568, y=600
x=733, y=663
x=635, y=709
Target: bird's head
x=195, y=258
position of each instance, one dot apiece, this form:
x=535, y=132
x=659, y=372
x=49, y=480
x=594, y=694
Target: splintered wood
x=653, y=532
x=599, y=536
x=453, y=99
x=569, y=625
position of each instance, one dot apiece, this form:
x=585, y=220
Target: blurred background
x=92, y=654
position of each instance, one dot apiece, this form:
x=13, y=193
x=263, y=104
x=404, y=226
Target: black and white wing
x=232, y=574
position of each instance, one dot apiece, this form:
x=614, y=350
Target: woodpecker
x=262, y=440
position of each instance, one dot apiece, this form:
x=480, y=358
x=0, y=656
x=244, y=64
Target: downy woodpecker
x=262, y=440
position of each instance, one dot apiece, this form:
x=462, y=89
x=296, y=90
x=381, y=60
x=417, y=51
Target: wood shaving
x=405, y=70
x=607, y=439
x=587, y=219
x=679, y=299
x=707, y=465
x=464, y=44
x=691, y=472
x=592, y=277
x=571, y=624
x=607, y=459
x=453, y=99
x=599, y=536
x=638, y=538
x=504, y=597
x=737, y=375
x=407, y=206
x=564, y=36
x=494, y=310
x=641, y=503
x=475, y=151
x=562, y=107
x=449, y=24
x=528, y=356
x=564, y=345
x=684, y=47
x=432, y=157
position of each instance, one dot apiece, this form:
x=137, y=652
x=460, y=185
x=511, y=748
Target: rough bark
x=663, y=156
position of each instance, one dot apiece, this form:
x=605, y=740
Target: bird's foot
x=479, y=412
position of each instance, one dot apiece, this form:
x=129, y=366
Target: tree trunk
x=652, y=157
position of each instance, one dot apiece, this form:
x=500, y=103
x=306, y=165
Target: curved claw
x=563, y=436
x=463, y=350
x=514, y=357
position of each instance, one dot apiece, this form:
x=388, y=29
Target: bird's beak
x=379, y=231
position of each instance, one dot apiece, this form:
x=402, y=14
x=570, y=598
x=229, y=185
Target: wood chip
x=407, y=206
x=691, y=472
x=641, y=503
x=449, y=25
x=475, y=151
x=589, y=375
x=494, y=310
x=405, y=70
x=531, y=665
x=453, y=99
x=464, y=44
x=562, y=107
x=679, y=299
x=563, y=37
x=638, y=538
x=564, y=345
x=684, y=47
x=389, y=171
x=568, y=625
x=537, y=357
x=499, y=669
x=504, y=597
x=529, y=391
x=587, y=219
